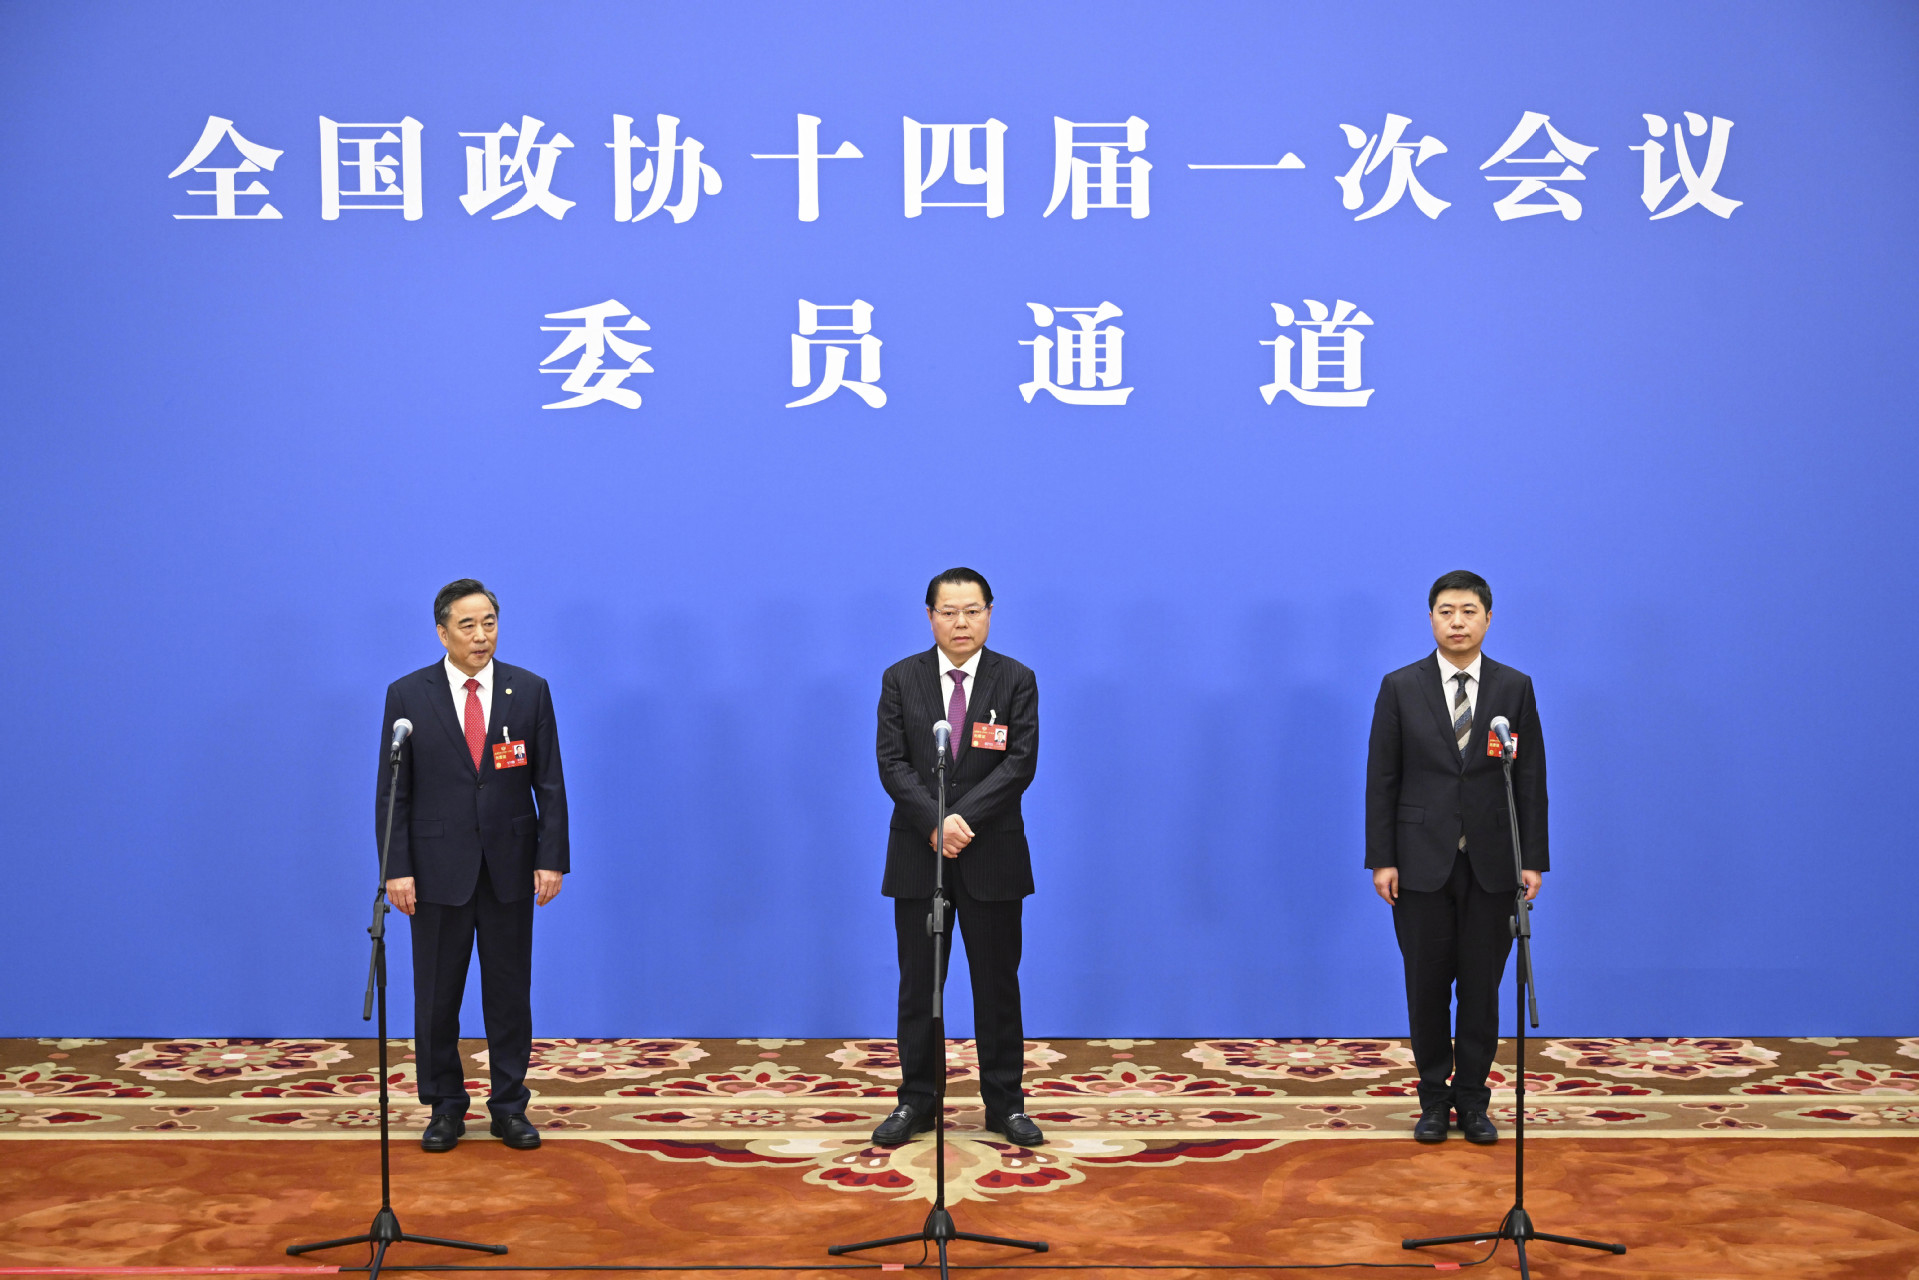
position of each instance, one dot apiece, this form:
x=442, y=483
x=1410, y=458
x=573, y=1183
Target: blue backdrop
x=240, y=460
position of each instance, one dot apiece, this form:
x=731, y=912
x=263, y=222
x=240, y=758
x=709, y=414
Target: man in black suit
x=992, y=703
x=479, y=837
x=1440, y=845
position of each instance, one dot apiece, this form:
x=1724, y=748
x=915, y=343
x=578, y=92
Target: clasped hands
x=958, y=835
x=401, y=893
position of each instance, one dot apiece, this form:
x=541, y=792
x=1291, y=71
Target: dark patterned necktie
x=956, y=709
x=1462, y=713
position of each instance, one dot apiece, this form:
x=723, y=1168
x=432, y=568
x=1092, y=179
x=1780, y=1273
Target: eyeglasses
x=972, y=613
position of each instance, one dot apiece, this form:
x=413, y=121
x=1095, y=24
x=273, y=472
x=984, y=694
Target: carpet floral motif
x=1143, y=1117
x=1124, y=1080
x=216, y=1061
x=45, y=1118
x=1303, y=1060
x=45, y=1080
x=830, y=1093
x=1842, y=1077
x=1722, y=1115
x=1861, y=1115
x=399, y=1118
x=352, y=1085
x=559, y=1115
x=976, y=1169
x=1673, y=1059
x=1560, y=1116
x=1500, y=1080
x=584, y=1061
x=762, y=1080
x=1332, y=1116
x=175, y=1119
x=751, y=1117
x=881, y=1058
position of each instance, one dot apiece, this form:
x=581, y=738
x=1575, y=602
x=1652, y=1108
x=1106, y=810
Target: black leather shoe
x=1433, y=1124
x=1019, y=1129
x=899, y=1128
x=442, y=1133
x=516, y=1131
x=1477, y=1128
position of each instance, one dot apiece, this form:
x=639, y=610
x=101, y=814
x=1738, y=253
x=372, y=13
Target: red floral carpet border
x=809, y=1104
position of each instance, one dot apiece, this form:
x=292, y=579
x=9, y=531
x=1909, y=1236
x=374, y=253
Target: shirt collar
x=1448, y=670
x=970, y=666
x=458, y=678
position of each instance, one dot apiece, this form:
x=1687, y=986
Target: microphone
x=402, y=730
x=943, y=737
x=1503, y=730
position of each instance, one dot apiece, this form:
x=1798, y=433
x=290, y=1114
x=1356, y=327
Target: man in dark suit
x=479, y=837
x=992, y=703
x=1440, y=845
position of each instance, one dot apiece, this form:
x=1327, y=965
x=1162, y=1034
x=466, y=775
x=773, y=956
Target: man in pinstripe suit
x=989, y=872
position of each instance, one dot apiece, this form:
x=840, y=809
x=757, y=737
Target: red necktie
x=475, y=722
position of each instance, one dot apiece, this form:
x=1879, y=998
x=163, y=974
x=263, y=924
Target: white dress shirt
x=457, y=679
x=1451, y=686
x=969, y=668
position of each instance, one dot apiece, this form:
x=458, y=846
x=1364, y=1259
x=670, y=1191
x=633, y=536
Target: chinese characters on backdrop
x=377, y=167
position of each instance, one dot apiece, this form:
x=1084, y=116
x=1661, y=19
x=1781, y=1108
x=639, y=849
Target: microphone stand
x=385, y=1231
x=1517, y=1225
x=939, y=1229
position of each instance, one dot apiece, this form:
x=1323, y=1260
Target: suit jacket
x=983, y=786
x=450, y=817
x=1420, y=796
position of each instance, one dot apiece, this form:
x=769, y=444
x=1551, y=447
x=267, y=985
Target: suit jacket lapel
x=928, y=693
x=1490, y=675
x=502, y=718
x=982, y=702
x=439, y=694
x=1436, y=699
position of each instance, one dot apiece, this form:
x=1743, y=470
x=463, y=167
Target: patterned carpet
x=1797, y=1157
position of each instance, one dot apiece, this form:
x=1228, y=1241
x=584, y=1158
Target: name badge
x=1492, y=745
x=990, y=736
x=509, y=755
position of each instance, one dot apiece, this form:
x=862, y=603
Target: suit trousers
x=443, y=944
x=991, y=933
x=1455, y=938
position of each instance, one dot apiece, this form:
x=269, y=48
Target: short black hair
x=460, y=589
x=1461, y=580
x=958, y=577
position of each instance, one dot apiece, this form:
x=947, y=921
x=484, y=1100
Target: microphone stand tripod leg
x=939, y=1229
x=1517, y=1225
x=385, y=1231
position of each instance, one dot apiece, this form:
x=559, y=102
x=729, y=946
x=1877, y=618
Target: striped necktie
x=1462, y=713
